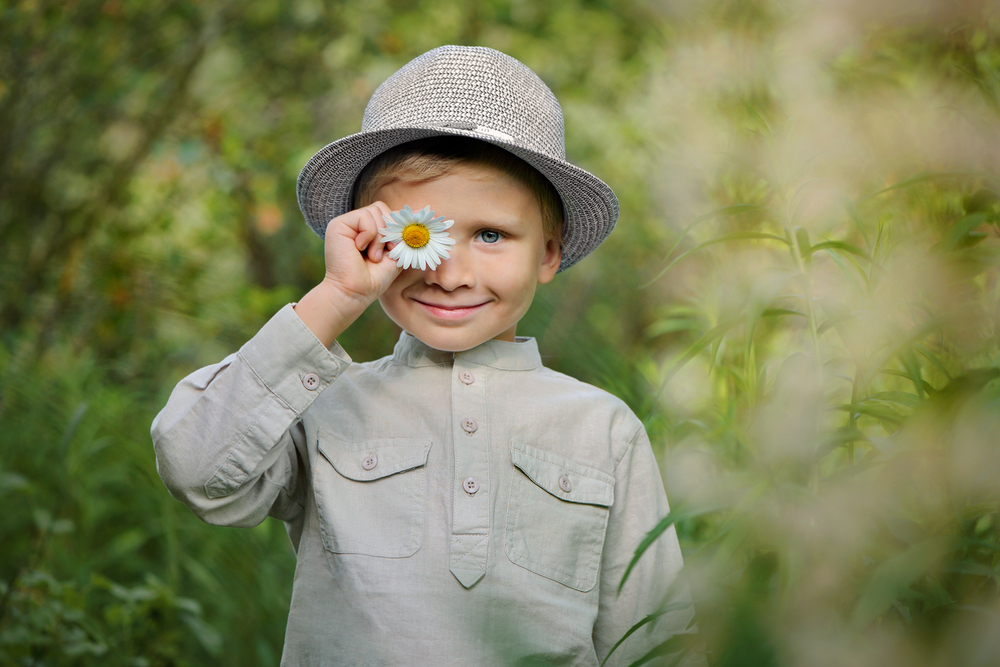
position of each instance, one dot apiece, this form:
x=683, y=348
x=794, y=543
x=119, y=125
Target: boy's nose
x=452, y=273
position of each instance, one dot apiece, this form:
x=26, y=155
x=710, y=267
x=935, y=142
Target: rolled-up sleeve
x=640, y=503
x=225, y=442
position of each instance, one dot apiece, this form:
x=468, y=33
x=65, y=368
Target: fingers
x=362, y=222
x=355, y=250
x=378, y=246
x=366, y=223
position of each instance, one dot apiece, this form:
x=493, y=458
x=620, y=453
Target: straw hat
x=466, y=91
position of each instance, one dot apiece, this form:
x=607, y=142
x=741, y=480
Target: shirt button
x=470, y=485
x=466, y=377
x=565, y=484
x=369, y=462
x=469, y=425
x=310, y=381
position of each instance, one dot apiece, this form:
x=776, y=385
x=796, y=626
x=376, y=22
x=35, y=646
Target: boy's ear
x=550, y=261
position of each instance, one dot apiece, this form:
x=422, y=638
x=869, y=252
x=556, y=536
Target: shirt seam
x=631, y=444
x=223, y=472
x=582, y=474
x=502, y=368
x=267, y=386
x=288, y=493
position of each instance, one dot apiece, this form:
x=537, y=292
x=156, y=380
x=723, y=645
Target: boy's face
x=499, y=257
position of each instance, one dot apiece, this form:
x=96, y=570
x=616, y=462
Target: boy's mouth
x=449, y=311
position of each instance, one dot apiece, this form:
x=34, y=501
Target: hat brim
x=326, y=181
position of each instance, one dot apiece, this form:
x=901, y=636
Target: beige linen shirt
x=473, y=508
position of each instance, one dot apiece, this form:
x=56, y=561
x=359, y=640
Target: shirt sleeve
x=227, y=441
x=640, y=503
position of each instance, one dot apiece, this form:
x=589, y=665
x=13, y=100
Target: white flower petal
x=428, y=255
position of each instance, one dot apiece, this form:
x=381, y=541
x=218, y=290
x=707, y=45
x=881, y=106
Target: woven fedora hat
x=473, y=92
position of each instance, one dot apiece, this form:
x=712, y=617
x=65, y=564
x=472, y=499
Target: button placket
x=470, y=528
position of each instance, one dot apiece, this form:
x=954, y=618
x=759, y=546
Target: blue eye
x=490, y=236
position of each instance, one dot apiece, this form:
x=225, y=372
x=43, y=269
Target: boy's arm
x=357, y=273
x=228, y=442
x=640, y=503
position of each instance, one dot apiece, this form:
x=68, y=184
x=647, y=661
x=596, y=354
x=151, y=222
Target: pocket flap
x=562, y=478
x=373, y=459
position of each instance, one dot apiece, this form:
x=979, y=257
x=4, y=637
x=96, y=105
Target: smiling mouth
x=449, y=312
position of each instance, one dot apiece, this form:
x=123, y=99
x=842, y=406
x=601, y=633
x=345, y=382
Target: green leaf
x=892, y=579
x=802, y=242
x=846, y=247
x=710, y=337
x=926, y=386
x=11, y=481
x=913, y=370
x=735, y=209
x=733, y=236
x=672, y=325
x=209, y=638
x=764, y=291
x=834, y=321
x=882, y=413
x=898, y=344
x=840, y=437
x=667, y=521
x=974, y=569
x=74, y=423
x=777, y=312
x=931, y=357
x=682, y=644
x=923, y=178
x=960, y=235
x=859, y=224
x=675, y=606
x=986, y=201
x=976, y=510
x=899, y=397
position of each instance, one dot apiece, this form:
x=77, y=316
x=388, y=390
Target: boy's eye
x=490, y=236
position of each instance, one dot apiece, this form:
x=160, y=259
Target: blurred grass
x=801, y=300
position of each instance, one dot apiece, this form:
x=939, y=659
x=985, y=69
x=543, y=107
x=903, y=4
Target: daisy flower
x=420, y=238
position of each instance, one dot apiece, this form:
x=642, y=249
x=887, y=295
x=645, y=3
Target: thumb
x=384, y=271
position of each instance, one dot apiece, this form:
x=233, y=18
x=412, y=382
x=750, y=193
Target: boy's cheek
x=405, y=277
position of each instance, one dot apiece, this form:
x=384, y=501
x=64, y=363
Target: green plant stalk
x=810, y=311
x=852, y=415
x=811, y=320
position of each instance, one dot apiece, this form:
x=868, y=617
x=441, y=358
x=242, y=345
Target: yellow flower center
x=416, y=236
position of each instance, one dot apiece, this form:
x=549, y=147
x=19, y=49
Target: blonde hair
x=433, y=157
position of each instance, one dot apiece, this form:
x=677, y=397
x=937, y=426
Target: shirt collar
x=521, y=355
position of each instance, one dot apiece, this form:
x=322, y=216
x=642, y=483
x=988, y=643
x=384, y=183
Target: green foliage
x=102, y=623
x=801, y=300
x=834, y=481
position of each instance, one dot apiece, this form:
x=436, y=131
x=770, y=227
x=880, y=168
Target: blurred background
x=801, y=300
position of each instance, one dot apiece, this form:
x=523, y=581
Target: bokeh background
x=801, y=300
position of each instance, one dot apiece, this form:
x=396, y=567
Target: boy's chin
x=449, y=346
x=456, y=343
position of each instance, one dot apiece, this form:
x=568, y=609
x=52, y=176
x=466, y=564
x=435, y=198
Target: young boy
x=456, y=502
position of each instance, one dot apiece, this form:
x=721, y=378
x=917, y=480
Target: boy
x=454, y=503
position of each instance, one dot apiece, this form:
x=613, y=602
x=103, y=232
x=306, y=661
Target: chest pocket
x=371, y=496
x=557, y=515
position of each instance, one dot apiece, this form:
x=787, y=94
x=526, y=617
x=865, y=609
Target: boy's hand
x=358, y=271
x=354, y=251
